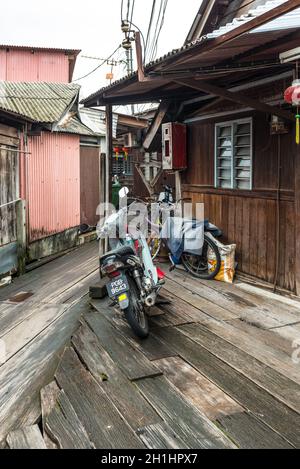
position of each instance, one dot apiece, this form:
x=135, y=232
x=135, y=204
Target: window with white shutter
x=233, y=154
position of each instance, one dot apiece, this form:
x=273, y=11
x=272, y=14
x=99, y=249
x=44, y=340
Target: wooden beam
x=237, y=98
x=156, y=123
x=139, y=57
x=208, y=46
x=142, y=176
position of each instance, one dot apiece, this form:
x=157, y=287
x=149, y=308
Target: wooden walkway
x=215, y=372
x=34, y=332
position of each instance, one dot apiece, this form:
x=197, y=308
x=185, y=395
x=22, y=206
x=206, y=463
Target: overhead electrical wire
x=150, y=24
x=155, y=43
x=98, y=66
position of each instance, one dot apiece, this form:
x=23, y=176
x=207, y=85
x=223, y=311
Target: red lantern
x=292, y=93
x=292, y=96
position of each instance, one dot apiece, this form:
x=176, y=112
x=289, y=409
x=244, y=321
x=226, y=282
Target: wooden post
x=21, y=235
x=297, y=220
x=109, y=151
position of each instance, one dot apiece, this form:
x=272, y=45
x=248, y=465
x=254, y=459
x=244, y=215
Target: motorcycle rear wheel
x=135, y=312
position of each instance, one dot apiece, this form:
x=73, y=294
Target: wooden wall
x=249, y=218
x=9, y=183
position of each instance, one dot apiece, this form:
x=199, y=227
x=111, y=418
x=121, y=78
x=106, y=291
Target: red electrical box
x=174, y=146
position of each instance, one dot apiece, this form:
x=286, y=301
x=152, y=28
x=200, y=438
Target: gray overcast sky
x=92, y=26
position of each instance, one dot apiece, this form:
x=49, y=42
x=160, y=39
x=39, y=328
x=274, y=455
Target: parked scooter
x=134, y=281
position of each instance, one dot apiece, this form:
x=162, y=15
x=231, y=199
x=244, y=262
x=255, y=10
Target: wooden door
x=9, y=193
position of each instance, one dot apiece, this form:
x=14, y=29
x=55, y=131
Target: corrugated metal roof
x=50, y=49
x=95, y=120
x=287, y=21
x=73, y=126
x=290, y=20
x=37, y=102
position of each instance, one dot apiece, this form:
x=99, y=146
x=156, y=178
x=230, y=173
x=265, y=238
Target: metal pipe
x=10, y=203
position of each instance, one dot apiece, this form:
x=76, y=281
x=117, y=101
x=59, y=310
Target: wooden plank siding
x=248, y=218
x=9, y=181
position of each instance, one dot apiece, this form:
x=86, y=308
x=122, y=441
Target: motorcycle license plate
x=118, y=286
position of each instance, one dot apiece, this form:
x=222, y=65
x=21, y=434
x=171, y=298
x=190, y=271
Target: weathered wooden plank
x=49, y=395
x=26, y=438
x=25, y=374
x=102, y=421
x=251, y=396
x=178, y=312
x=206, y=306
x=267, y=319
x=152, y=348
x=284, y=389
x=250, y=433
x=257, y=348
x=290, y=333
x=133, y=362
x=195, y=430
x=32, y=321
x=161, y=436
x=63, y=272
x=217, y=297
x=65, y=427
x=125, y=396
x=267, y=337
x=197, y=389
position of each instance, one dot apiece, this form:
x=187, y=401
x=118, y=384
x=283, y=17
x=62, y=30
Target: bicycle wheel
x=198, y=265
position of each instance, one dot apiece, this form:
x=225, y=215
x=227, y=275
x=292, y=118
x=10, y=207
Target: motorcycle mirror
x=123, y=192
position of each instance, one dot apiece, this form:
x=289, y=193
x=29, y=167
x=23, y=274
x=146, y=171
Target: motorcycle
x=195, y=261
x=134, y=281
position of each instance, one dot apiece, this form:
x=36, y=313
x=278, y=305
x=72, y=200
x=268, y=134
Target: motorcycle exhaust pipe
x=150, y=300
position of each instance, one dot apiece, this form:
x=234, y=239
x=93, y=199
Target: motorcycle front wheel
x=135, y=313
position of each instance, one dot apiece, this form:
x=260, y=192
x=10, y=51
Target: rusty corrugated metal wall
x=26, y=65
x=53, y=179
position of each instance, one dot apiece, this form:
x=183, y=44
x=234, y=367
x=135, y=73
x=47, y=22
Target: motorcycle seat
x=119, y=252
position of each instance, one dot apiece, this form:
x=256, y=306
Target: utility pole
x=126, y=43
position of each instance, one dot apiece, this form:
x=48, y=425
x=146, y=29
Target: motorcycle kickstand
x=173, y=266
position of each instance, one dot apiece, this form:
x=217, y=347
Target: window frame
x=232, y=123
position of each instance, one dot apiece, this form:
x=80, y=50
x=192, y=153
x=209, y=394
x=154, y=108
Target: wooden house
x=227, y=86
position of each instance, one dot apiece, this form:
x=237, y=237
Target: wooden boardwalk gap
x=100, y=418
x=133, y=362
x=249, y=395
x=124, y=394
x=49, y=395
x=191, y=426
x=64, y=427
x=198, y=390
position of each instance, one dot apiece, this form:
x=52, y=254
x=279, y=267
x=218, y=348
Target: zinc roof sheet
x=37, y=102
